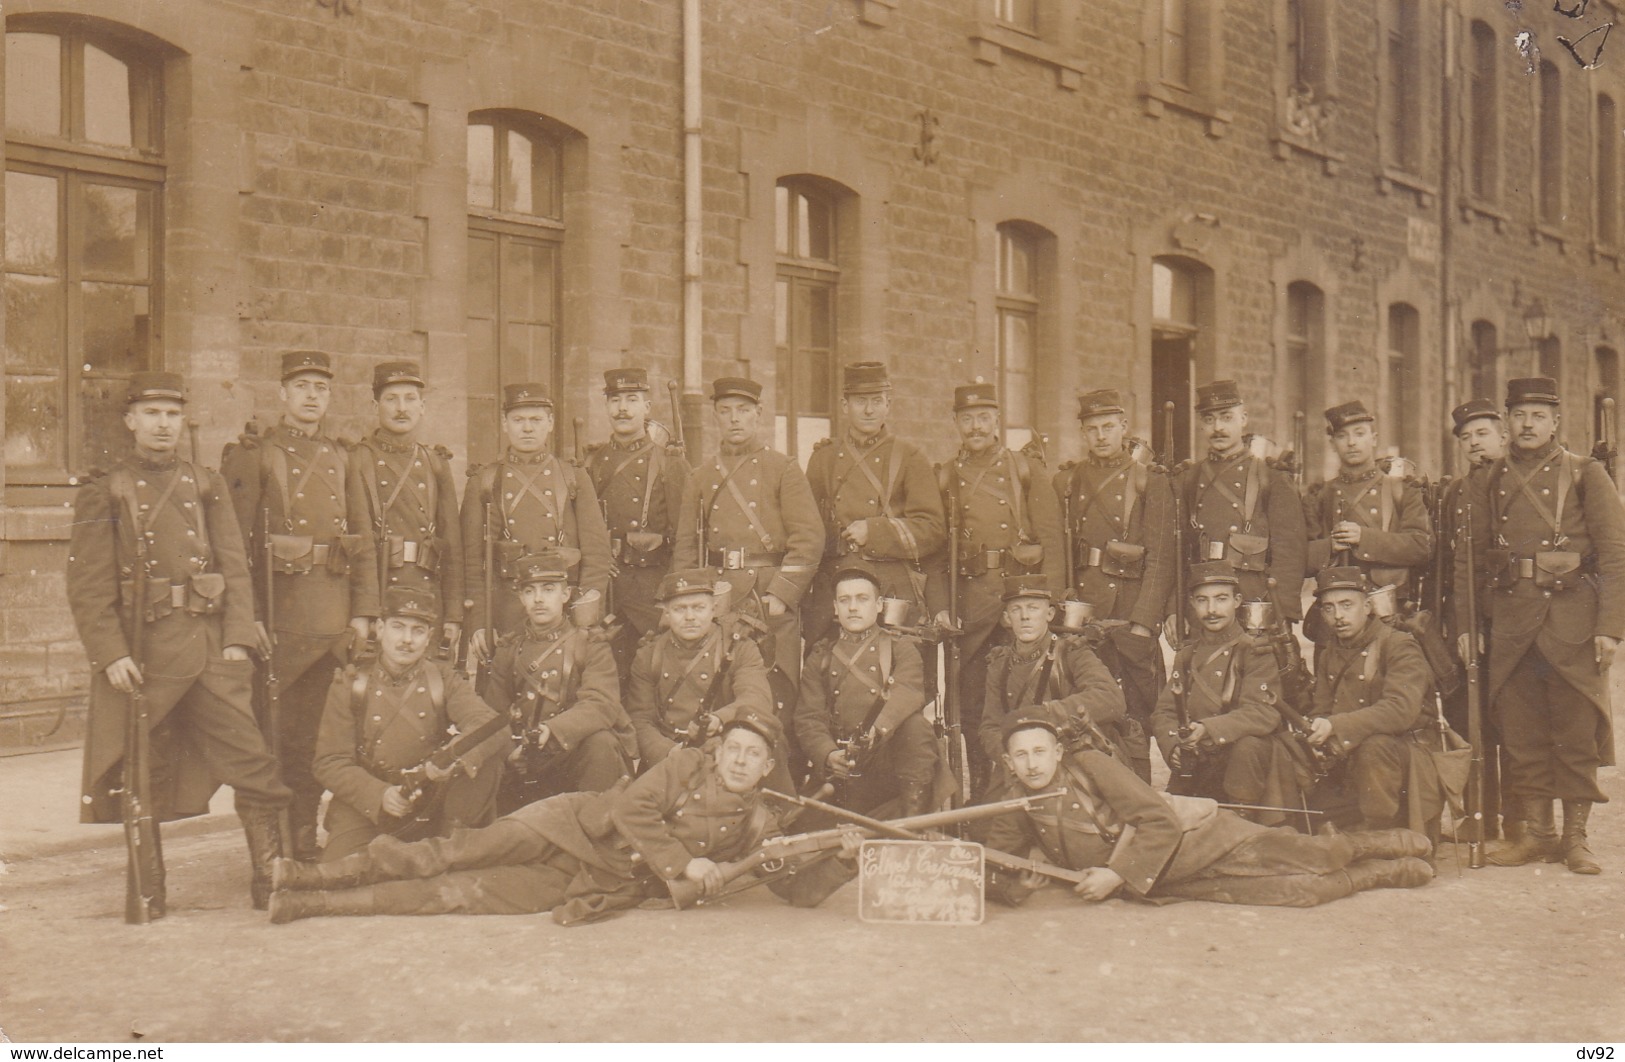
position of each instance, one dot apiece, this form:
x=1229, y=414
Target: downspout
x=1447, y=208
x=693, y=262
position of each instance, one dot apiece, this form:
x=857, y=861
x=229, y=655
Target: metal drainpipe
x=693, y=262
x=1447, y=206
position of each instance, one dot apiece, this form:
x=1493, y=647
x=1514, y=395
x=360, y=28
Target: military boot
x=292, y=906
x=290, y=875
x=1537, y=841
x=1577, y=853
x=302, y=821
x=264, y=843
x=1388, y=844
x=1405, y=873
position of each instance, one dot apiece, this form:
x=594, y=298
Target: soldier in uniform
x=535, y=502
x=1119, y=525
x=695, y=675
x=1003, y=509
x=557, y=683
x=859, y=714
x=388, y=714
x=640, y=486
x=878, y=498
x=197, y=629
x=293, y=483
x=1550, y=533
x=1366, y=517
x=583, y=856
x=750, y=512
x=1229, y=681
x=1092, y=813
x=411, y=498
x=1241, y=509
x=1042, y=673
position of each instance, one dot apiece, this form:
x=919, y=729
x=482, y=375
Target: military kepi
x=1220, y=394
x=543, y=566
x=1471, y=410
x=146, y=385
x=856, y=571
x=1098, y=403
x=1342, y=578
x=297, y=362
x=1026, y=586
x=1532, y=389
x=1017, y=721
x=410, y=603
x=687, y=581
x=519, y=395
x=977, y=395
x=762, y=723
x=735, y=387
x=618, y=380
x=390, y=373
x=1340, y=417
x=865, y=378
x=1210, y=572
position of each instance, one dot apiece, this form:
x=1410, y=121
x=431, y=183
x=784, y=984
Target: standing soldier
x=1119, y=526
x=197, y=629
x=751, y=513
x=1367, y=518
x=535, y=502
x=1242, y=510
x=878, y=498
x=1550, y=533
x=386, y=715
x=640, y=487
x=1001, y=506
x=411, y=498
x=292, y=483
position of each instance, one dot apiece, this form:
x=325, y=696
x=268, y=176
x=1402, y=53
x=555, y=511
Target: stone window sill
x=1391, y=179
x=1476, y=209
x=1287, y=143
x=1156, y=96
x=993, y=40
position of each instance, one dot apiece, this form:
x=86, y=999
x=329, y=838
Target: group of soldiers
x=598, y=679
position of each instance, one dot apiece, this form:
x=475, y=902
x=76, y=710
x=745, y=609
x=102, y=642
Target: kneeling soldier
x=1094, y=814
x=1043, y=674
x=558, y=685
x=388, y=715
x=859, y=713
x=1226, y=681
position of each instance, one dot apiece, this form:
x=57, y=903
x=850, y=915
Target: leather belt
x=983, y=562
x=735, y=559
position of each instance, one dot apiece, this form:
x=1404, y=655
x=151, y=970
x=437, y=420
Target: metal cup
x=1384, y=601
x=1215, y=550
x=1076, y=613
x=1257, y=615
x=894, y=611
x=723, y=592
x=587, y=610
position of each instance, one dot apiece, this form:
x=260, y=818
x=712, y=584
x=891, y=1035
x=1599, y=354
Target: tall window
x=1306, y=44
x=1606, y=180
x=1017, y=14
x=1400, y=414
x=1303, y=369
x=515, y=236
x=1607, y=387
x=1181, y=327
x=1485, y=353
x=805, y=296
x=84, y=191
x=1401, y=75
x=1017, y=339
x=1484, y=114
x=1549, y=359
x=1176, y=43
x=1551, y=144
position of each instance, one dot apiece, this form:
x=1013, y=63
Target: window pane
x=1015, y=264
x=34, y=83
x=816, y=325
x=527, y=352
x=1551, y=145
x=1162, y=292
x=818, y=228
x=31, y=222
x=1175, y=49
x=544, y=178
x=33, y=322
x=481, y=161
x=35, y=428
x=527, y=281
x=107, y=99
x=1551, y=358
x=117, y=225
x=482, y=275
x=104, y=438
x=117, y=327
x=781, y=220
x=1484, y=360
x=781, y=312
x=516, y=176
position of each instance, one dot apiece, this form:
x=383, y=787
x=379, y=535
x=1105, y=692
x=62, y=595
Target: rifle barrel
x=1475, y=694
x=677, y=419
x=145, y=866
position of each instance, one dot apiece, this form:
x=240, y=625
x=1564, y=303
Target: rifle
x=699, y=728
x=677, y=422
x=1606, y=451
x=273, y=681
x=191, y=435
x=887, y=829
x=1300, y=441
x=957, y=753
x=415, y=779
x=860, y=742
x=1067, y=532
x=480, y=663
x=1180, y=632
x=1474, y=798
x=777, y=850
x=143, y=882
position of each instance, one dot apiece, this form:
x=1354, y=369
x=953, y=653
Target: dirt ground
x=1532, y=953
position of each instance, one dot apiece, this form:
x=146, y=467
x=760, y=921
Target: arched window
x=1402, y=85
x=1483, y=358
x=806, y=298
x=1550, y=204
x=1605, y=181
x=1400, y=424
x=1181, y=336
x=515, y=240
x=1484, y=114
x=84, y=206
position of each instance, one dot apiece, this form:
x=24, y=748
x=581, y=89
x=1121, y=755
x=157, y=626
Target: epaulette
x=474, y=470
x=347, y=442
x=94, y=473
x=250, y=438
x=676, y=449
x=821, y=443
x=592, y=448
x=1286, y=461
x=441, y=451
x=1067, y=466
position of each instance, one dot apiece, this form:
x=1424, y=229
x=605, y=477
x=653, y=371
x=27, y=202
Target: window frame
x=1304, y=121
x=1401, y=418
x=1605, y=207
x=1483, y=121
x=1010, y=304
x=1548, y=189
x=1204, y=48
x=796, y=272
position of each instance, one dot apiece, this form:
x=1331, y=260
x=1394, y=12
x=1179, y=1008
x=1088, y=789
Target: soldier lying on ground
x=1098, y=815
x=581, y=855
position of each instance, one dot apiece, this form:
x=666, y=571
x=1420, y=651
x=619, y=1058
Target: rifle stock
x=273, y=680
x=1474, y=799
x=145, y=866
x=952, y=720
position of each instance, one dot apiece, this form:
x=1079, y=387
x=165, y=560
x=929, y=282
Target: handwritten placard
x=920, y=882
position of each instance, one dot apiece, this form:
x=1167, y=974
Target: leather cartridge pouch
x=160, y=597
x=428, y=557
x=292, y=554
x=206, y=593
x=1028, y=554
x=348, y=549
x=645, y=541
x=1123, y=560
x=1500, y=568
x=1557, y=569
x=506, y=553
x=1248, y=553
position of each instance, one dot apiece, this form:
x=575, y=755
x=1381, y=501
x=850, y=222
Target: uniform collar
x=1117, y=460
x=986, y=457
x=1359, y=477
x=1225, y=459
x=846, y=637
x=514, y=457
x=391, y=678
x=870, y=443
x=158, y=463
x=750, y=446
x=392, y=443
x=630, y=447
x=1035, y=650
x=1224, y=637
x=1518, y=457
x=551, y=633
x=1373, y=628
x=288, y=428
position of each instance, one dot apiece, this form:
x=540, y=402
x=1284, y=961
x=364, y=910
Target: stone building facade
x=1405, y=201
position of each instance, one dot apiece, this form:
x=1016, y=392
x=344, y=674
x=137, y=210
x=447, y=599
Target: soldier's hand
x=1320, y=731
x=1462, y=644
x=234, y=652
x=774, y=606
x=436, y=773
x=706, y=874
x=124, y=675
x=362, y=625
x=1098, y=884
x=1346, y=535
x=837, y=764
x=451, y=634
x=851, y=842
x=1032, y=880
x=263, y=642
x=478, y=642
x=1606, y=648
x=1197, y=732
x=543, y=735
x=395, y=802
x=857, y=533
